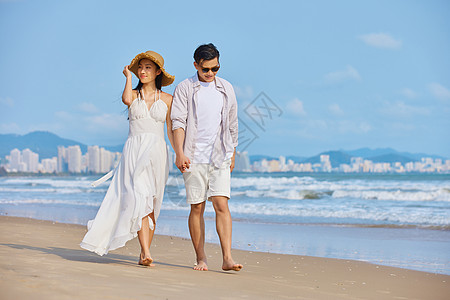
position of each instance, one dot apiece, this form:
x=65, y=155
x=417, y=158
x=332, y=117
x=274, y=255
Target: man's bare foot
x=231, y=266
x=201, y=266
x=146, y=261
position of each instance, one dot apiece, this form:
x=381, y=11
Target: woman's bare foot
x=146, y=260
x=231, y=266
x=201, y=266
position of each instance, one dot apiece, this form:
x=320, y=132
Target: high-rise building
x=106, y=160
x=62, y=159
x=16, y=159
x=242, y=162
x=94, y=159
x=49, y=165
x=274, y=165
x=282, y=160
x=74, y=159
x=326, y=164
x=31, y=160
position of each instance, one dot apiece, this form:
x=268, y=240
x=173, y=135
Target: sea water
x=398, y=220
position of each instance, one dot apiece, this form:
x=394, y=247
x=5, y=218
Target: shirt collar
x=196, y=82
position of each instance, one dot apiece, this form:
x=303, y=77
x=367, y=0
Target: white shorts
x=204, y=181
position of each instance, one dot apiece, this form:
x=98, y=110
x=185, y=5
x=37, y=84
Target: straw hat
x=167, y=79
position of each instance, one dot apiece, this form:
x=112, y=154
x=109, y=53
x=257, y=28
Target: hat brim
x=167, y=79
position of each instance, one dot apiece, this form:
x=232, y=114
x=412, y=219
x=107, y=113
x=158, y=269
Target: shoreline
x=408, y=248
x=43, y=260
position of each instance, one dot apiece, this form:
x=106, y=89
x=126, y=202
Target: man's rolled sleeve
x=233, y=118
x=179, y=108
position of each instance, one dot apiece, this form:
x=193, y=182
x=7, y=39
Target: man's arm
x=179, y=108
x=233, y=159
x=178, y=116
x=233, y=117
x=182, y=161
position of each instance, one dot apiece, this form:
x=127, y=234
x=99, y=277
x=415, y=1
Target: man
x=205, y=128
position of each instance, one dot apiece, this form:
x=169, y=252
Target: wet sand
x=43, y=260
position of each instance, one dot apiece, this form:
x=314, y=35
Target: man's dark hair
x=206, y=52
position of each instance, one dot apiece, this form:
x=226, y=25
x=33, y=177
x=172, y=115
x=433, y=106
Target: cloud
x=364, y=127
x=317, y=127
x=54, y=127
x=9, y=128
x=439, y=91
x=106, y=122
x=349, y=126
x=408, y=93
x=401, y=126
x=87, y=107
x=349, y=73
x=65, y=116
x=295, y=106
x=245, y=92
x=8, y=102
x=381, y=40
x=335, y=109
x=401, y=109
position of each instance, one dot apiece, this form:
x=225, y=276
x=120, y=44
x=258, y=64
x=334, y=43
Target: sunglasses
x=213, y=69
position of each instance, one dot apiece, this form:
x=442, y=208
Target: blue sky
x=344, y=74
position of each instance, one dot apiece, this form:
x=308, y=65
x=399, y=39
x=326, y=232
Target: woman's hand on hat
x=126, y=71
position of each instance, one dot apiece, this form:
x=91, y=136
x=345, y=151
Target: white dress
x=138, y=182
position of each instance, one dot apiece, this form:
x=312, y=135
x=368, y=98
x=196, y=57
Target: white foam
x=49, y=202
x=396, y=195
x=50, y=190
x=83, y=182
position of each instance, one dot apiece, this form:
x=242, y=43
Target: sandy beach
x=42, y=260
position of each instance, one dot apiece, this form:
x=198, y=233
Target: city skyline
x=42, y=140
x=98, y=160
x=308, y=75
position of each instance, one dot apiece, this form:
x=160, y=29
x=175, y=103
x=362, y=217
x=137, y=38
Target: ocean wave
x=291, y=194
x=266, y=212
x=61, y=182
x=50, y=190
x=238, y=182
x=314, y=184
x=331, y=213
x=296, y=193
x=397, y=195
x=50, y=202
x=300, y=188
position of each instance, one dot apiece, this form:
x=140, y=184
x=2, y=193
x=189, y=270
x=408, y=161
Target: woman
x=132, y=203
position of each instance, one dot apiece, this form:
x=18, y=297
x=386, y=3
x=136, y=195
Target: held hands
x=232, y=160
x=182, y=162
x=127, y=72
x=232, y=164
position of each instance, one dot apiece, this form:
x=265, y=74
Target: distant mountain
x=387, y=155
x=336, y=158
x=379, y=152
x=117, y=148
x=257, y=157
x=393, y=157
x=367, y=152
x=46, y=145
x=296, y=159
x=42, y=142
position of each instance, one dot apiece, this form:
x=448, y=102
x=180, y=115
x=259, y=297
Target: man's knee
x=220, y=204
x=197, y=209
